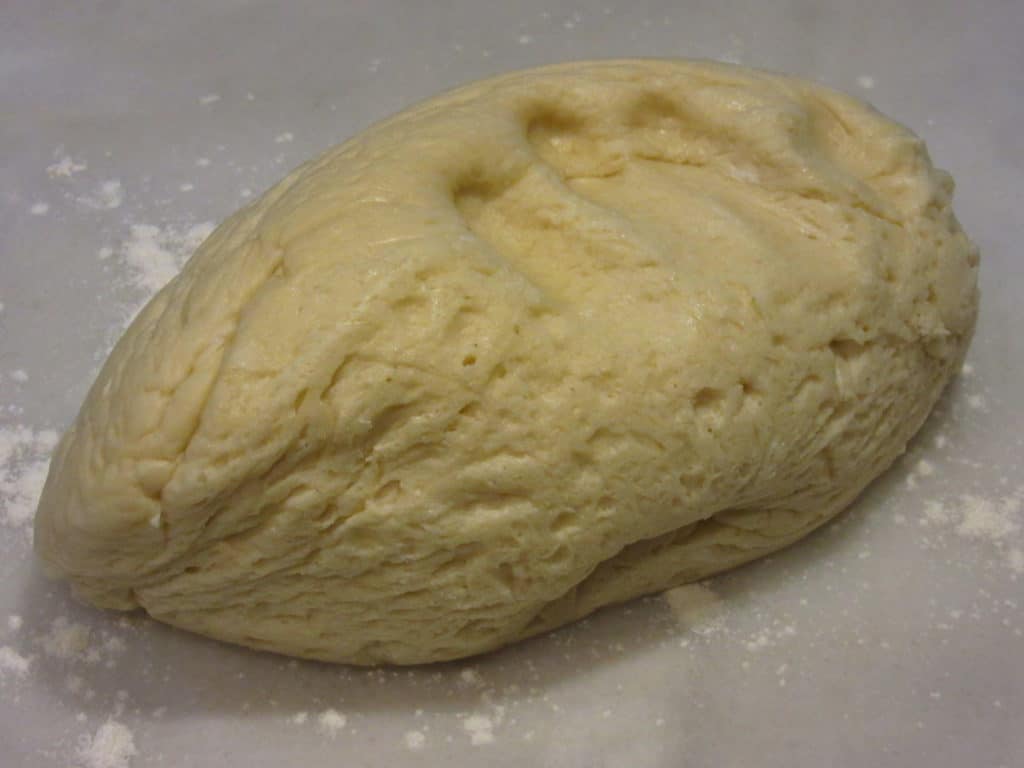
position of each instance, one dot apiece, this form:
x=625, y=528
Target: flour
x=480, y=726
x=39, y=209
x=414, y=740
x=330, y=722
x=113, y=746
x=66, y=640
x=12, y=663
x=65, y=167
x=697, y=608
x=992, y=519
x=106, y=196
x=284, y=138
x=24, y=461
x=480, y=729
x=153, y=255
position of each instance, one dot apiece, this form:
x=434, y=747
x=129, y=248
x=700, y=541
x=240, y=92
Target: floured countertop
x=892, y=637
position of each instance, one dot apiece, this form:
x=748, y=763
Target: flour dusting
x=697, y=608
x=65, y=167
x=24, y=461
x=331, y=721
x=113, y=746
x=12, y=663
x=153, y=255
x=106, y=196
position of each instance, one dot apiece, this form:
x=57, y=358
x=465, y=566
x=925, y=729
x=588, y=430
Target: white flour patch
x=14, y=622
x=1015, y=561
x=330, y=722
x=24, y=462
x=12, y=663
x=480, y=729
x=697, y=608
x=19, y=375
x=284, y=138
x=414, y=740
x=105, y=197
x=210, y=98
x=480, y=726
x=65, y=167
x=66, y=640
x=866, y=82
x=39, y=209
x=153, y=255
x=992, y=519
x=112, y=746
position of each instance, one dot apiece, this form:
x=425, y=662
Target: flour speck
x=24, y=462
x=65, y=167
x=331, y=721
x=12, y=663
x=39, y=209
x=107, y=196
x=153, y=255
x=414, y=740
x=113, y=746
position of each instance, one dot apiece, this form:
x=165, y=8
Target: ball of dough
x=541, y=344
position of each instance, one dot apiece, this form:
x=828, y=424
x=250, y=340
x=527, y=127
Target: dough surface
x=538, y=345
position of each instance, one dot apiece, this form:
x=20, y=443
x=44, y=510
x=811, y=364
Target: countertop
x=892, y=637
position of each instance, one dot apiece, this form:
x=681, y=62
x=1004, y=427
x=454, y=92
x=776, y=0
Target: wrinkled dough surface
x=538, y=345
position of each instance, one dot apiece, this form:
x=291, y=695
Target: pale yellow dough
x=541, y=344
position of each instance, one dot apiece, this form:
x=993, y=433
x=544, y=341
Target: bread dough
x=541, y=344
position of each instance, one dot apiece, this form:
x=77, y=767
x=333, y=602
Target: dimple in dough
x=543, y=343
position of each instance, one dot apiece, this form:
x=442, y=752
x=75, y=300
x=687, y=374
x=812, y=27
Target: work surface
x=892, y=637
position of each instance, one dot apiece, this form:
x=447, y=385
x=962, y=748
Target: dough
x=541, y=344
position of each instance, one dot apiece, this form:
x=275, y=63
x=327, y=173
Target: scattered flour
x=14, y=622
x=331, y=721
x=480, y=729
x=66, y=640
x=153, y=255
x=697, y=608
x=992, y=519
x=12, y=663
x=24, y=461
x=866, y=82
x=210, y=98
x=113, y=746
x=65, y=167
x=39, y=209
x=414, y=740
x=1015, y=561
x=284, y=138
x=107, y=196
x=300, y=717
x=19, y=375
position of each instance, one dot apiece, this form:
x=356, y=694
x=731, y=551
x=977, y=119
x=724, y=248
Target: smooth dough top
x=542, y=343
